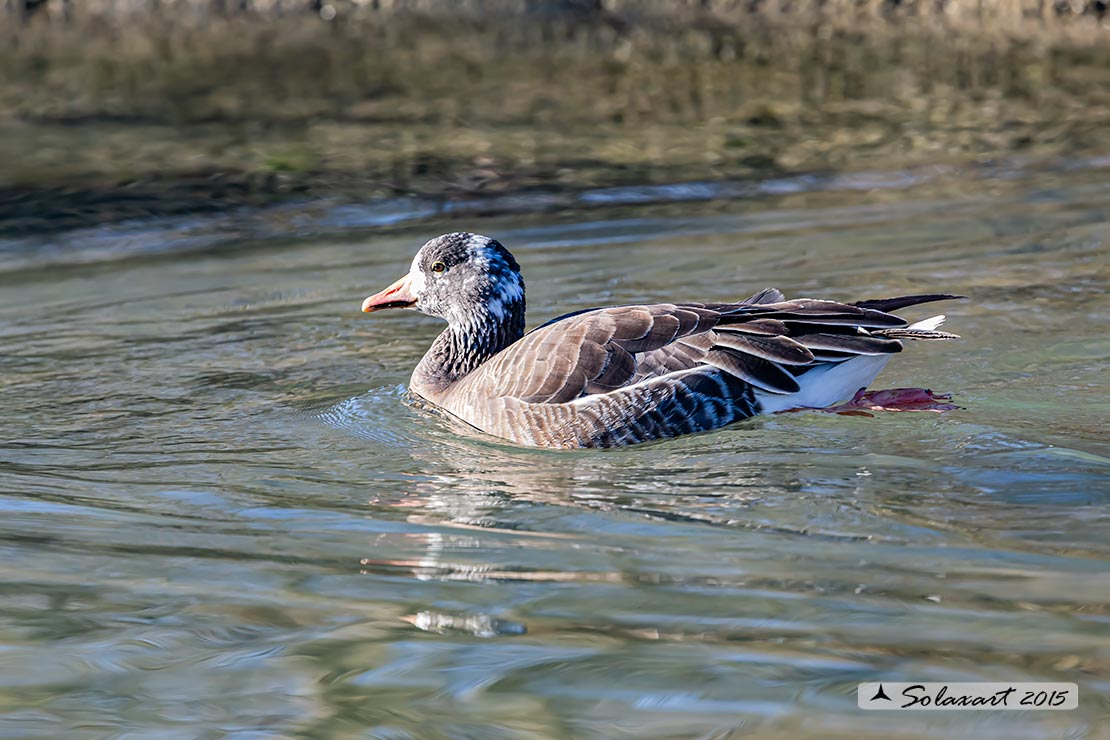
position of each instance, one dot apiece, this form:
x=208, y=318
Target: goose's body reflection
x=488, y=511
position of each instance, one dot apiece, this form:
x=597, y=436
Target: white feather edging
x=929, y=324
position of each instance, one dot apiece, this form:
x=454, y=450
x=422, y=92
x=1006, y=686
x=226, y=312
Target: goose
x=619, y=375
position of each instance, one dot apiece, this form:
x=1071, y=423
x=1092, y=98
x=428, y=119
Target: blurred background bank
x=113, y=109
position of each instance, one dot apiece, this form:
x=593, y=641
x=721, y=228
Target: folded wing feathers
x=754, y=339
x=857, y=344
x=769, y=327
x=556, y=366
x=893, y=304
x=776, y=349
x=618, y=370
x=556, y=377
x=661, y=331
x=767, y=295
x=619, y=346
x=810, y=310
x=683, y=354
x=645, y=328
x=866, y=318
x=757, y=371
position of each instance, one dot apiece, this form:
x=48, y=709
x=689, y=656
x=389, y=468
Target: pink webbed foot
x=895, y=399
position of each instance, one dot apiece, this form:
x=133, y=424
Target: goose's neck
x=463, y=347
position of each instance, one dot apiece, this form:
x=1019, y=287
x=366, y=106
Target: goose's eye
x=439, y=268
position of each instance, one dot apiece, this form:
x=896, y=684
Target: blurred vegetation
x=115, y=108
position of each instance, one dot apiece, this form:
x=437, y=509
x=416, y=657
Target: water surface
x=220, y=516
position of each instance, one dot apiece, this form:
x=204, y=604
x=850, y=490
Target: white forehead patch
x=417, y=280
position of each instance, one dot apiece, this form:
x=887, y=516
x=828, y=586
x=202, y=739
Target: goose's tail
x=825, y=384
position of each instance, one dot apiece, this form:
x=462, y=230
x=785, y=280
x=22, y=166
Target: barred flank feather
x=916, y=334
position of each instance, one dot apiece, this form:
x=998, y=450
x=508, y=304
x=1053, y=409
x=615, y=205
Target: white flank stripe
x=417, y=281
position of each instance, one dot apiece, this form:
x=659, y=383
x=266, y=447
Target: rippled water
x=220, y=516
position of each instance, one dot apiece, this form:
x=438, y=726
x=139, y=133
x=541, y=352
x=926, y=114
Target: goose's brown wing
x=592, y=352
x=765, y=342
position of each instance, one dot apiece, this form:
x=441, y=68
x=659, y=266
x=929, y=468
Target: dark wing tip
x=893, y=304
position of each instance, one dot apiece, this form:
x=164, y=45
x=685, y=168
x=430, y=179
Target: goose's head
x=466, y=279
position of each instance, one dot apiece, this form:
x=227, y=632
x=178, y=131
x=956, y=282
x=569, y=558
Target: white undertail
x=826, y=385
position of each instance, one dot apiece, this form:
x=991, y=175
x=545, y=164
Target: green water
x=220, y=518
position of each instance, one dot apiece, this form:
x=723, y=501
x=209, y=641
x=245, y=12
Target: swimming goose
x=618, y=375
